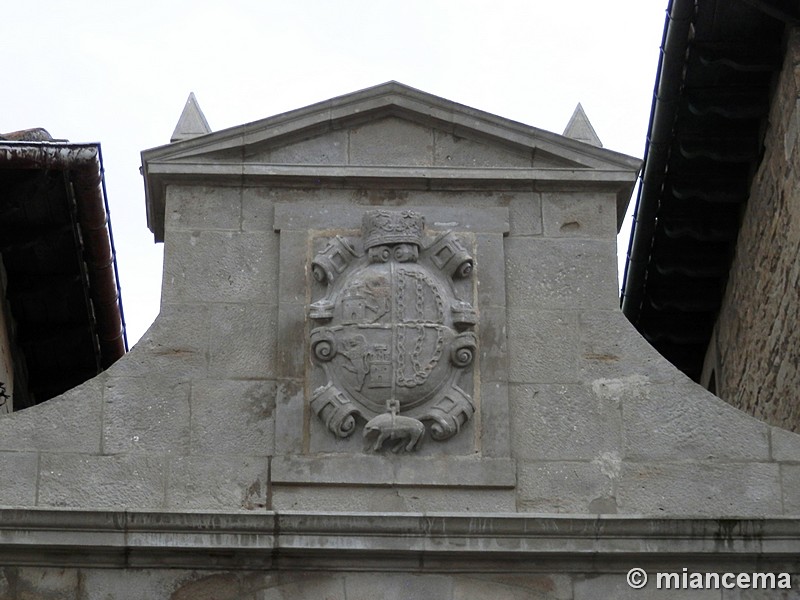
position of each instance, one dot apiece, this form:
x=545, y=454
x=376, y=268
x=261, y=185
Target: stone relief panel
x=392, y=355
x=393, y=332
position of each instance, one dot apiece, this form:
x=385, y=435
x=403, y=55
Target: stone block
x=258, y=205
x=203, y=208
x=221, y=483
x=561, y=273
x=567, y=487
x=542, y=346
x=700, y=488
x=391, y=142
x=493, y=345
x=18, y=474
x=175, y=346
x=610, y=348
x=102, y=482
x=452, y=150
x=36, y=583
x=395, y=469
x=397, y=586
x=785, y=445
x=495, y=419
x=145, y=415
x=220, y=266
x=490, y=268
x=69, y=422
x=244, y=343
x=292, y=284
x=390, y=499
x=592, y=587
x=525, y=212
x=134, y=584
x=290, y=358
x=580, y=215
x=564, y=422
x=790, y=483
x=328, y=149
x=512, y=587
x=329, y=586
x=232, y=417
x=683, y=421
x=290, y=406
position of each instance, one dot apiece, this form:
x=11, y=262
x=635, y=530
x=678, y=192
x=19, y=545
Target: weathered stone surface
x=244, y=343
x=495, y=414
x=232, y=417
x=615, y=586
x=790, y=482
x=222, y=483
x=536, y=586
x=391, y=141
x=568, y=487
x=453, y=150
x=579, y=215
x=680, y=420
x=394, y=469
x=175, y=346
x=145, y=416
x=490, y=270
x=220, y=266
x=18, y=474
x=330, y=149
x=133, y=584
x=525, y=211
x=203, y=208
x=610, y=348
x=564, y=422
x=512, y=587
x=700, y=487
x=113, y=482
x=290, y=421
x=391, y=499
x=35, y=583
x=405, y=586
x=561, y=274
x=542, y=346
x=328, y=586
x=68, y=423
x=785, y=445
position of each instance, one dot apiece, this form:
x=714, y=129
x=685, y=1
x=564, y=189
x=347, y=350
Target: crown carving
x=380, y=227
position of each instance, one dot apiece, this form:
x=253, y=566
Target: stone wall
x=755, y=350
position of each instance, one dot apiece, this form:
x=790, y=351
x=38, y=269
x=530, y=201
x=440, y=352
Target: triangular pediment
x=390, y=126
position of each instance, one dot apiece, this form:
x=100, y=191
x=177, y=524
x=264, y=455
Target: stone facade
x=201, y=449
x=754, y=354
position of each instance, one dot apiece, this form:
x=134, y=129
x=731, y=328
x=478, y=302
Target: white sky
x=119, y=73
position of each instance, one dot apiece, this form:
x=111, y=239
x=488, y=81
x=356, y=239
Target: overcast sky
x=119, y=73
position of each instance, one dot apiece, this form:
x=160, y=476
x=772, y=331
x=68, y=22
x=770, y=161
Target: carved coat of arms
x=391, y=335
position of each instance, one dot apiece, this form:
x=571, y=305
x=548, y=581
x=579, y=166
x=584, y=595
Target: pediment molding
x=254, y=149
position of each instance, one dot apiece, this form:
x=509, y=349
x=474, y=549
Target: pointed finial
x=192, y=122
x=579, y=128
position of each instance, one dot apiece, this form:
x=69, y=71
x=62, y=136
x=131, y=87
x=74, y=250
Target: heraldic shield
x=392, y=337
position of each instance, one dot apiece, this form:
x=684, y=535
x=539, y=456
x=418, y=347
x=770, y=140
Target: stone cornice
x=390, y=541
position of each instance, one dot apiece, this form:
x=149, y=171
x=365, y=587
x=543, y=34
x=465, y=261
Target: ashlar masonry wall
x=197, y=462
x=755, y=351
